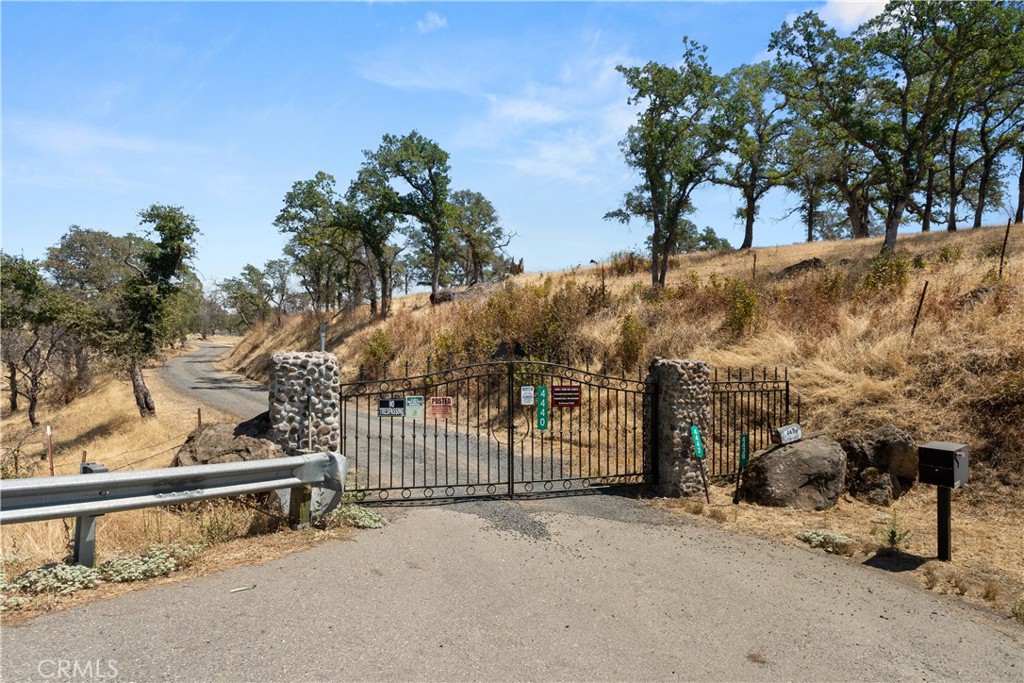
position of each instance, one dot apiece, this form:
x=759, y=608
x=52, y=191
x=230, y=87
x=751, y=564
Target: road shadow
x=895, y=561
x=225, y=383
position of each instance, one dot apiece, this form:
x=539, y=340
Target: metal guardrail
x=87, y=496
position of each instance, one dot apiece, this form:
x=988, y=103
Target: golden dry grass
x=105, y=424
x=987, y=561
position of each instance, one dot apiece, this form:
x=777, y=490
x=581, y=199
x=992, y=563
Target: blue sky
x=220, y=107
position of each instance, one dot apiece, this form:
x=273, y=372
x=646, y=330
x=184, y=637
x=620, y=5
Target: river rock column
x=683, y=398
x=305, y=410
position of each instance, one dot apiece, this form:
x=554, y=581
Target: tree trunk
x=983, y=185
x=142, y=397
x=929, y=200
x=812, y=208
x=892, y=226
x=33, y=401
x=83, y=375
x=12, y=385
x=856, y=211
x=384, y=273
x=655, y=252
x=748, y=228
x=1019, y=218
x=435, y=276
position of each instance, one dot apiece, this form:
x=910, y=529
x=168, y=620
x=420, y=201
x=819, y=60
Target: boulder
x=807, y=475
x=805, y=266
x=881, y=464
x=218, y=442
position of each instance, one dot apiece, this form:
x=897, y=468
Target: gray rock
x=218, y=442
x=877, y=487
x=888, y=451
x=807, y=475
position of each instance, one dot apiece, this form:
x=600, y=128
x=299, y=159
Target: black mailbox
x=942, y=464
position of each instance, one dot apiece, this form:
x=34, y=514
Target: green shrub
x=355, y=516
x=950, y=253
x=744, y=307
x=892, y=533
x=1017, y=611
x=888, y=273
x=631, y=341
x=56, y=579
x=377, y=355
x=829, y=541
x=159, y=561
x=830, y=284
x=919, y=262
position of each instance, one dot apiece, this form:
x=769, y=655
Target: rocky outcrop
x=805, y=266
x=219, y=442
x=807, y=475
x=881, y=464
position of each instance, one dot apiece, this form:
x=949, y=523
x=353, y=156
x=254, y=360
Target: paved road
x=580, y=589
x=194, y=374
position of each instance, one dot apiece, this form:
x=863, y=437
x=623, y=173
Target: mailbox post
x=943, y=464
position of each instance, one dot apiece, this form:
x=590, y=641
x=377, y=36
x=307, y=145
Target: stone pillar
x=305, y=392
x=683, y=399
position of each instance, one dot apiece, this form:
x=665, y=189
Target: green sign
x=542, y=408
x=414, y=407
x=698, y=443
x=744, y=451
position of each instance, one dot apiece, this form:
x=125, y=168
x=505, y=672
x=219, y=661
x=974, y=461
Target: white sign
x=414, y=407
x=526, y=396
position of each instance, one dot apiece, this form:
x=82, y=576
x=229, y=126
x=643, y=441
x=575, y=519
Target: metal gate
x=507, y=428
x=745, y=401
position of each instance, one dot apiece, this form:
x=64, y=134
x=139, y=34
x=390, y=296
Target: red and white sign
x=565, y=396
x=441, y=407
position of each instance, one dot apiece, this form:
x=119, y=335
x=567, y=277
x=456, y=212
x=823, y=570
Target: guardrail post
x=298, y=507
x=84, y=552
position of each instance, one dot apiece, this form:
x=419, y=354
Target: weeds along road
x=594, y=588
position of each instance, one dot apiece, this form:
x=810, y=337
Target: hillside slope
x=841, y=325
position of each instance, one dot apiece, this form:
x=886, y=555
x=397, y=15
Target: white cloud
x=516, y=110
x=849, y=14
x=430, y=23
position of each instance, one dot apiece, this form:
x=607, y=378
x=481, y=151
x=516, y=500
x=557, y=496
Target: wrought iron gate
x=745, y=401
x=473, y=431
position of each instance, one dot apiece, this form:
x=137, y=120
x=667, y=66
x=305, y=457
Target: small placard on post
x=787, y=434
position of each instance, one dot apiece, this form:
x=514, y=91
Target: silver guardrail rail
x=87, y=496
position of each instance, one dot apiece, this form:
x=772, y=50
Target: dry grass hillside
x=844, y=333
